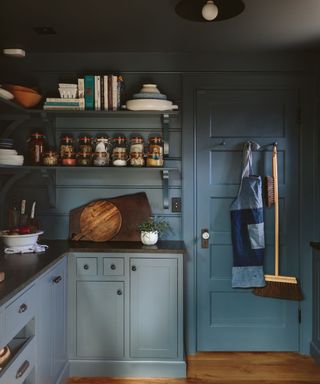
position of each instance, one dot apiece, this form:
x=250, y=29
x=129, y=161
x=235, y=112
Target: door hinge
x=299, y=316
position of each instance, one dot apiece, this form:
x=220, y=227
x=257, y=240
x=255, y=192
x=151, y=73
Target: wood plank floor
x=234, y=368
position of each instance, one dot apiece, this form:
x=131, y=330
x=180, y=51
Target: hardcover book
x=89, y=93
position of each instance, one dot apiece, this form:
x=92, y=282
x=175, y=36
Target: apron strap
x=247, y=171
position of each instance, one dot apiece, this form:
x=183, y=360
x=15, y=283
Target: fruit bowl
x=27, y=97
x=17, y=240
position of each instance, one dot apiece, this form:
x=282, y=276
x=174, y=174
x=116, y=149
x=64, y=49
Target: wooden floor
x=234, y=367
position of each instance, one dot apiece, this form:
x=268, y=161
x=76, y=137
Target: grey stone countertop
x=21, y=269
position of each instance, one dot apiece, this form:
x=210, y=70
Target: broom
x=277, y=286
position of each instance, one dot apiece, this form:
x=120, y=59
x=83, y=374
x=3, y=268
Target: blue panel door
x=234, y=319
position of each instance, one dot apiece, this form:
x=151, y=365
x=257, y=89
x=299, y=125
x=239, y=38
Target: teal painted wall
x=173, y=74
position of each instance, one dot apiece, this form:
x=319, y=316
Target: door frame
x=308, y=183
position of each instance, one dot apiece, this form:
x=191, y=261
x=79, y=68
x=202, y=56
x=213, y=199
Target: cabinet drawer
x=20, y=312
x=87, y=266
x=21, y=366
x=113, y=266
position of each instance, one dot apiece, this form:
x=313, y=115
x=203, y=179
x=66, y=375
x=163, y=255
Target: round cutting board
x=100, y=221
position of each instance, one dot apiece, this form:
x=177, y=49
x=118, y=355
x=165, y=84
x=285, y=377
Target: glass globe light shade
x=209, y=11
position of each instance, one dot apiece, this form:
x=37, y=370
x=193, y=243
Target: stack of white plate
x=150, y=99
x=10, y=157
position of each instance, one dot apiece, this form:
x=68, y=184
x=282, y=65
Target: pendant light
x=207, y=11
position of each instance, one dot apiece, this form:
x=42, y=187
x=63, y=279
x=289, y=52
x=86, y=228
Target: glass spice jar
x=50, y=157
x=100, y=159
x=119, y=158
x=36, y=144
x=102, y=144
x=155, y=152
x=66, y=145
x=136, y=144
x=69, y=159
x=85, y=144
x=136, y=159
x=84, y=158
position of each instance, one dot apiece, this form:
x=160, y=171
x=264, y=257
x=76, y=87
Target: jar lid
x=119, y=138
x=67, y=137
x=85, y=138
x=155, y=139
x=37, y=135
x=136, y=139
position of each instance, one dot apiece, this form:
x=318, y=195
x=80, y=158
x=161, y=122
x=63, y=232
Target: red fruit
x=24, y=230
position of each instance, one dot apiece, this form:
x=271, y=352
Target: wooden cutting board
x=99, y=221
x=134, y=209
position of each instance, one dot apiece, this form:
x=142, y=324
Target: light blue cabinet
x=153, y=308
x=51, y=335
x=315, y=343
x=126, y=314
x=100, y=319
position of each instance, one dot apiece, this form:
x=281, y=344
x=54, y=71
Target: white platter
x=150, y=105
x=5, y=152
x=6, y=94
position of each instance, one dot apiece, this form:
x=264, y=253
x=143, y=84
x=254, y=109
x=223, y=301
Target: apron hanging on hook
x=247, y=226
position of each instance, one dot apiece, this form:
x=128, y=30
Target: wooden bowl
x=27, y=97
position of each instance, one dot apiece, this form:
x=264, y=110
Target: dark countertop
x=22, y=269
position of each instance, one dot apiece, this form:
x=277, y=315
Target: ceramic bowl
x=149, y=95
x=27, y=240
x=11, y=159
x=13, y=87
x=149, y=88
x=150, y=105
x=27, y=99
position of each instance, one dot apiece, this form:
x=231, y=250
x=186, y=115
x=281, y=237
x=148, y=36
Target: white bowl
x=11, y=159
x=12, y=241
x=149, y=88
x=150, y=105
x=5, y=152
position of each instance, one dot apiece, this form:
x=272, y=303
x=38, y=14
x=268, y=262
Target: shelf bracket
x=5, y=189
x=50, y=179
x=165, y=133
x=13, y=125
x=165, y=188
x=48, y=129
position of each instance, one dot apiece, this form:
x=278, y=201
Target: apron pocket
x=256, y=235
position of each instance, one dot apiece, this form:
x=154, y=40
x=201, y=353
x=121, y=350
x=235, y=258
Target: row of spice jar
x=105, y=150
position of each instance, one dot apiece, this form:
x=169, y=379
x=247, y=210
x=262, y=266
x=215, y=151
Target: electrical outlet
x=176, y=204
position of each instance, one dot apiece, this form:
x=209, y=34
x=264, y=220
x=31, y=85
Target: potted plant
x=152, y=228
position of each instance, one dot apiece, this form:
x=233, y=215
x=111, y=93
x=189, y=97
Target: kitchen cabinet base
x=86, y=368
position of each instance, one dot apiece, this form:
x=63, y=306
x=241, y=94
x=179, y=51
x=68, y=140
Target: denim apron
x=247, y=226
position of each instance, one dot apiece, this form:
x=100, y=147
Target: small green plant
x=153, y=224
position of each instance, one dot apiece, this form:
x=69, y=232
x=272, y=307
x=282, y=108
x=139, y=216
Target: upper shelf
x=7, y=106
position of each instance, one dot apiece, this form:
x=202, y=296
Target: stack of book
x=76, y=104
x=101, y=92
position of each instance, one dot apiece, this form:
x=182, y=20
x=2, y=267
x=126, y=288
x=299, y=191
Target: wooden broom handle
x=276, y=209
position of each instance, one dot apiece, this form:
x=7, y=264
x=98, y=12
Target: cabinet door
x=153, y=308
x=59, y=300
x=100, y=319
x=51, y=325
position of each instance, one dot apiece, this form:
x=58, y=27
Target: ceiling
x=153, y=26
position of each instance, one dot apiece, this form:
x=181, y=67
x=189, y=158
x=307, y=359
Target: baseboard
x=90, y=368
x=63, y=377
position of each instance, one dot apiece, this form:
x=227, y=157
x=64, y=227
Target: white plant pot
x=149, y=238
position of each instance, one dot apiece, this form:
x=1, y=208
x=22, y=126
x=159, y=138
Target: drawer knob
x=113, y=267
x=20, y=372
x=119, y=292
x=57, y=279
x=133, y=268
x=86, y=267
x=23, y=307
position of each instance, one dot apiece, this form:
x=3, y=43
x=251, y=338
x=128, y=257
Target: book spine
x=89, y=91
x=110, y=93
x=119, y=92
x=62, y=104
x=80, y=88
x=61, y=100
x=63, y=107
x=97, y=100
x=102, y=93
x=114, y=92
x=105, y=86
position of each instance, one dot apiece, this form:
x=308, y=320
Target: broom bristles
x=279, y=290
x=269, y=191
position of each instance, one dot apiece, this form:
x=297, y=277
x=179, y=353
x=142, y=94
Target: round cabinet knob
x=113, y=267
x=133, y=268
x=205, y=235
x=86, y=267
x=119, y=292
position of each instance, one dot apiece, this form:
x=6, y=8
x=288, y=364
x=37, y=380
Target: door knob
x=205, y=236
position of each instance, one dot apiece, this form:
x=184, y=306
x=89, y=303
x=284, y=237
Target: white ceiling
x=153, y=26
